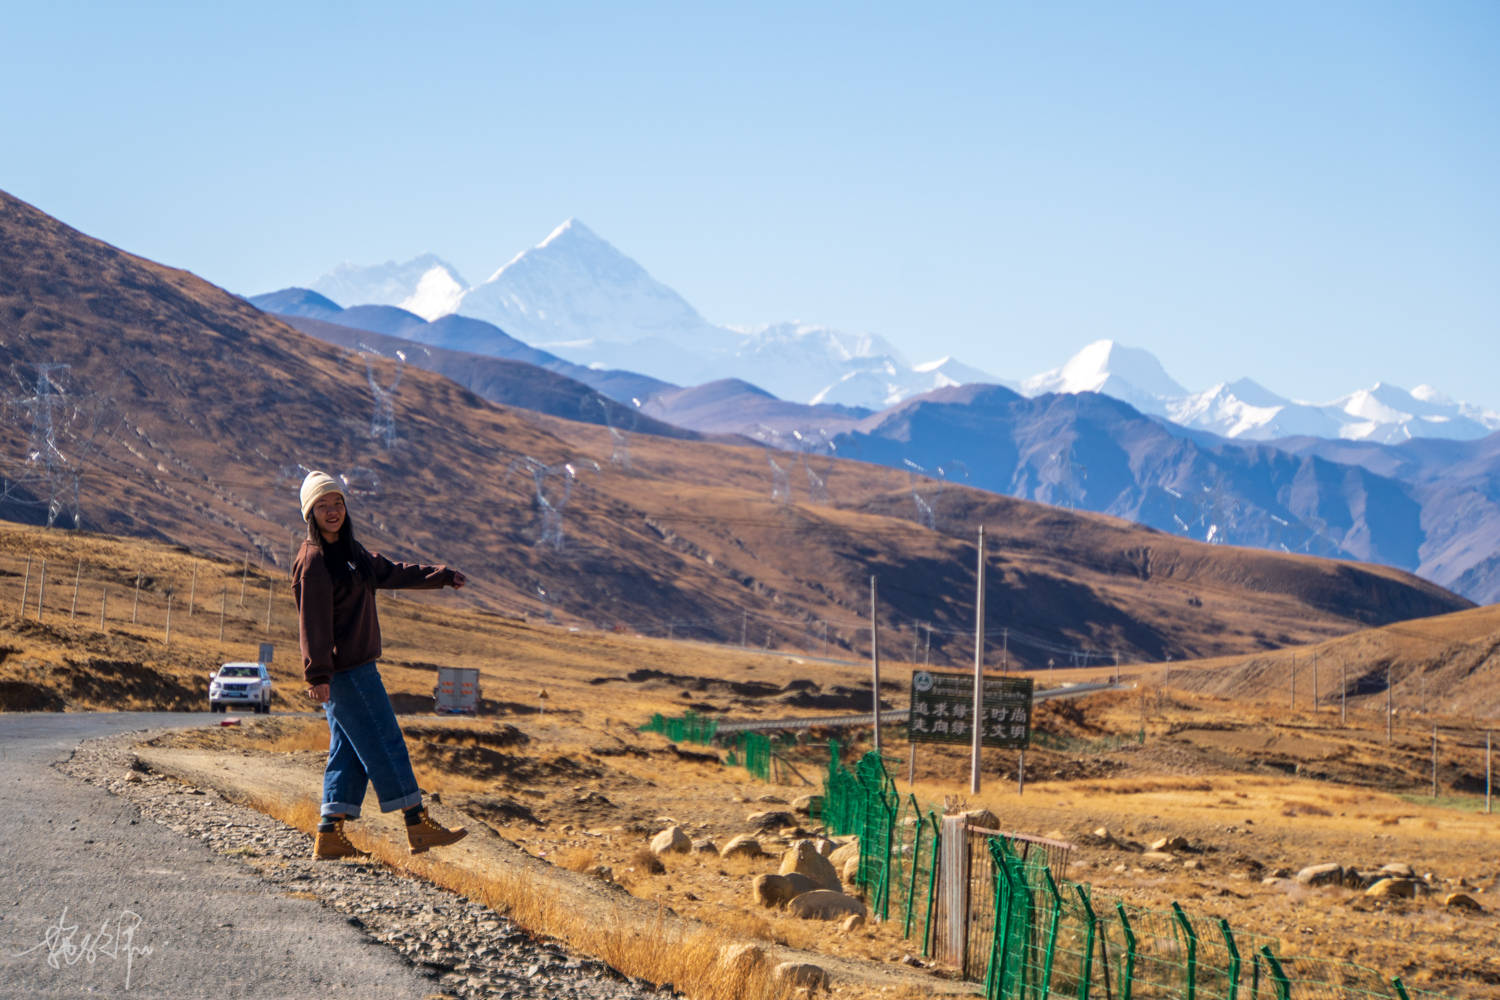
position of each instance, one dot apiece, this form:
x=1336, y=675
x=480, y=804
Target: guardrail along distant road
x=895, y=714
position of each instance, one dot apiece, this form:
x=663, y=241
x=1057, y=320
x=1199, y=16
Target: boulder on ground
x=1397, y=869
x=772, y=820
x=824, y=904
x=800, y=975
x=843, y=852
x=825, y=846
x=1170, y=844
x=808, y=805
x=1462, y=901
x=705, y=846
x=851, y=870
x=779, y=890
x=671, y=841
x=742, y=846
x=805, y=859
x=1393, y=888
x=1330, y=873
x=741, y=959
x=852, y=922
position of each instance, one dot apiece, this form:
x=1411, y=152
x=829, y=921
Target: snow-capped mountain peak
x=423, y=285
x=1127, y=373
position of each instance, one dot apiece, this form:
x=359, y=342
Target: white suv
x=247, y=685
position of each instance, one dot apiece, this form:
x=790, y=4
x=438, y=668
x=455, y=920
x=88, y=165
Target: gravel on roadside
x=466, y=948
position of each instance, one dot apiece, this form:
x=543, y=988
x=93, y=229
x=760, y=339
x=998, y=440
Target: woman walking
x=334, y=579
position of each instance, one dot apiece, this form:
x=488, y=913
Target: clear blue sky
x=1305, y=193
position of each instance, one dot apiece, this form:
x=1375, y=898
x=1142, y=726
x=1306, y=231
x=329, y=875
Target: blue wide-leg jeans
x=365, y=747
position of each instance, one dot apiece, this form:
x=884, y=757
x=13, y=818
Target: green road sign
x=942, y=709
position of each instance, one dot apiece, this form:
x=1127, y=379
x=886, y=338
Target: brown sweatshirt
x=336, y=612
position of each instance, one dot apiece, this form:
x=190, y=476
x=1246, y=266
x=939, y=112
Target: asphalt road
x=95, y=901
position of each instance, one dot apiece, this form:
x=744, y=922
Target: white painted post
x=270, y=590
x=953, y=891
x=136, y=607
x=1389, y=708
x=223, y=606
x=244, y=576
x=41, y=591
x=103, y=604
x=77, y=579
x=978, y=716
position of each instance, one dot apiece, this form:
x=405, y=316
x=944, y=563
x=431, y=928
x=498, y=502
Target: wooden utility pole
x=875, y=662
x=1434, y=761
x=26, y=587
x=978, y=715
x=1343, y=692
x=41, y=592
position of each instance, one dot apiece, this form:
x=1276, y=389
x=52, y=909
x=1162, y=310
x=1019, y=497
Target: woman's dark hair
x=342, y=551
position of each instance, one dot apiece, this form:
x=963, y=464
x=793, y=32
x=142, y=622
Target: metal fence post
x=932, y=874
x=1052, y=928
x=916, y=862
x=1127, y=974
x=1234, y=959
x=1192, y=950
x=1087, y=971
x=1283, y=984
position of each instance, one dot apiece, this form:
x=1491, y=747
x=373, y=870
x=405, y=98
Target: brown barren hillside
x=180, y=413
x=1446, y=666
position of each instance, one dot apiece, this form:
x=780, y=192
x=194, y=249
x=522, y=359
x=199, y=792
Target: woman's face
x=328, y=515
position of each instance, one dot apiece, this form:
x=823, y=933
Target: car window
x=239, y=672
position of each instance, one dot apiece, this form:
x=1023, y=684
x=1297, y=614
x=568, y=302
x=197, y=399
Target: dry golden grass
x=600, y=788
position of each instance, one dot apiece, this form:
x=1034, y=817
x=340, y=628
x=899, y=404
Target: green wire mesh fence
x=752, y=752
x=1032, y=935
x=1054, y=939
x=689, y=728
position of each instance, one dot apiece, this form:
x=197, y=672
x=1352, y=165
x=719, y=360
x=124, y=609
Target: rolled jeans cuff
x=344, y=809
x=404, y=802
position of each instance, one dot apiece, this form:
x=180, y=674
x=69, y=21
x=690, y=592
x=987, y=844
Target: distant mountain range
x=577, y=297
x=1245, y=409
x=179, y=412
x=580, y=299
x=1404, y=478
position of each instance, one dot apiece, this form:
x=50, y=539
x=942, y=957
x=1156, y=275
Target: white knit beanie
x=317, y=484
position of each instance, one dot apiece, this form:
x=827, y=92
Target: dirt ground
x=1256, y=793
x=556, y=763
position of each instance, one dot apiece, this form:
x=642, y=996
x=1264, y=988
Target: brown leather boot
x=424, y=834
x=332, y=844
